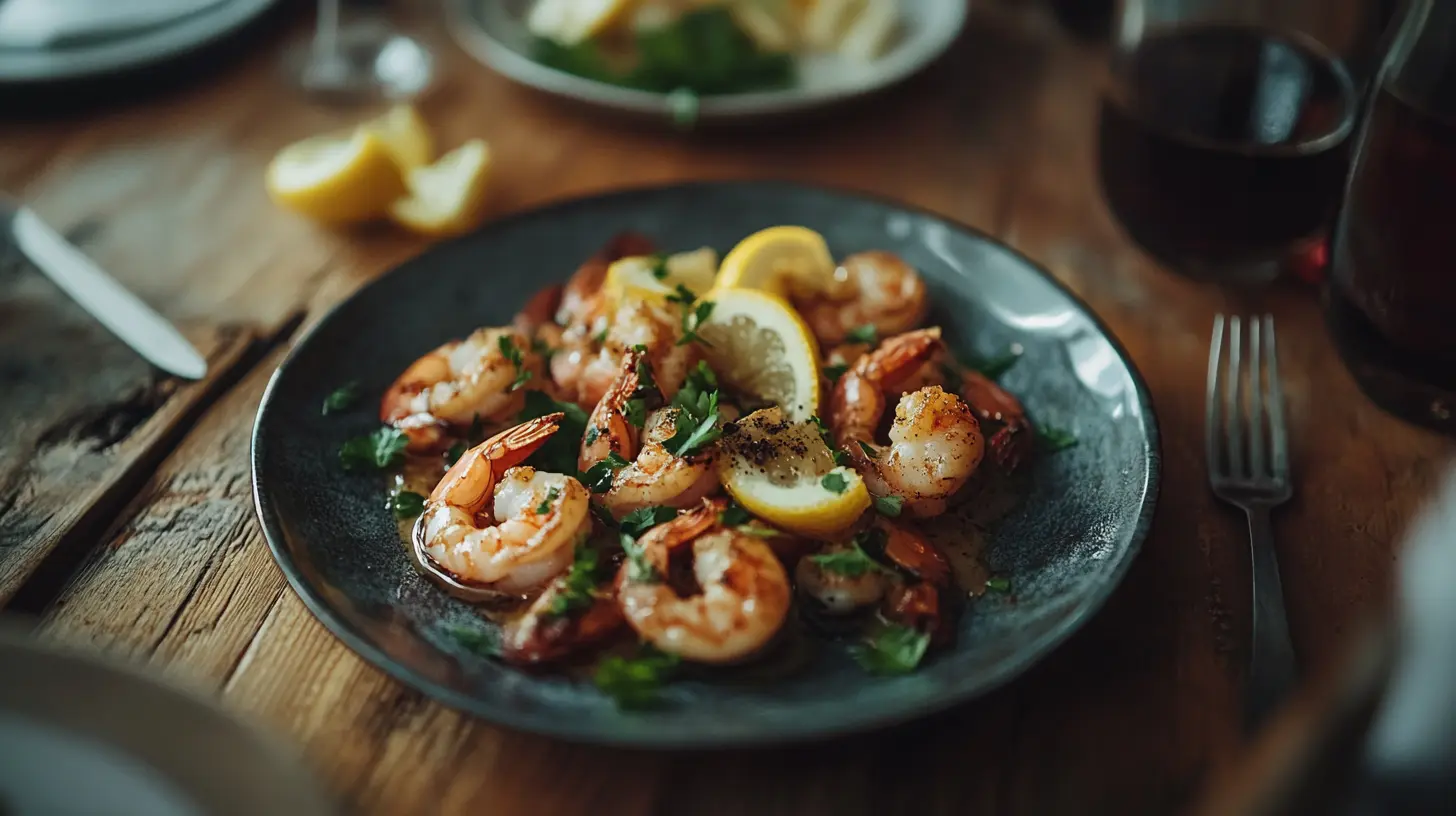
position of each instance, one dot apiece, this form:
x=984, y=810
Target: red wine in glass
x=1224, y=146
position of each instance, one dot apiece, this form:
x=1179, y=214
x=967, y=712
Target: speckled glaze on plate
x=1065, y=547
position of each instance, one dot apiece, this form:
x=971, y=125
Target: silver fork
x=1247, y=449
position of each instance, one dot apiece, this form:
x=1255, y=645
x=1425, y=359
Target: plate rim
x=566, y=729
x=486, y=49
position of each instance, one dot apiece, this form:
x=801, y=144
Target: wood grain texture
x=1131, y=716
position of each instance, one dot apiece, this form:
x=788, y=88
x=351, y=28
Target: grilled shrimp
x=541, y=635
x=842, y=591
x=483, y=376
x=653, y=476
x=582, y=301
x=738, y=596
x=874, y=288
x=495, y=524
x=935, y=440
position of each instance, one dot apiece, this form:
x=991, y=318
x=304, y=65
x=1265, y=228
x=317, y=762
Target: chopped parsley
x=600, y=337
x=636, y=412
x=545, y=506
x=480, y=641
x=558, y=454
x=542, y=348
x=407, y=504
x=635, y=682
x=994, y=367
x=734, y=516
x=510, y=352
x=577, y=589
x=841, y=459
x=851, y=562
x=998, y=584
x=868, y=451
x=693, y=315
x=889, y=505
x=891, y=649
x=834, y=372
x=342, y=399
x=643, y=519
x=1055, y=439
x=456, y=451
x=834, y=483
x=638, y=568
x=864, y=334
x=695, y=426
x=598, y=477
x=659, y=266
x=591, y=435
x=384, y=448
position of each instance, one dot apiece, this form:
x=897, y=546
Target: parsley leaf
x=558, y=453
x=636, y=411
x=510, y=352
x=381, y=449
x=643, y=519
x=646, y=383
x=591, y=435
x=692, y=320
x=659, y=266
x=598, y=477
x=892, y=649
x=834, y=372
x=456, y=451
x=864, y=334
x=851, y=562
x=840, y=457
x=682, y=295
x=342, y=399
x=1055, y=439
x=693, y=433
x=994, y=367
x=407, y=504
x=545, y=506
x=638, y=569
x=576, y=589
x=889, y=505
x=480, y=641
x=834, y=483
x=600, y=337
x=734, y=515
x=868, y=451
x=998, y=584
x=635, y=682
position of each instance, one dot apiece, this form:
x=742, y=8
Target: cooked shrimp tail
x=1012, y=442
x=470, y=480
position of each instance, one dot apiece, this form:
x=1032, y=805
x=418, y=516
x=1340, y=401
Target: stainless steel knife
x=131, y=320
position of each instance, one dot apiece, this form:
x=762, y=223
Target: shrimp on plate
x=653, y=476
x=874, y=288
x=544, y=633
x=728, y=606
x=494, y=523
x=481, y=378
x=935, y=440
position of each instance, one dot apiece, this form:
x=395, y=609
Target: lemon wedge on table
x=447, y=197
x=759, y=345
x=336, y=179
x=405, y=133
x=781, y=471
x=780, y=260
x=650, y=277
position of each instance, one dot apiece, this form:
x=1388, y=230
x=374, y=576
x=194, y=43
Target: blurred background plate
x=104, y=51
x=494, y=32
x=78, y=735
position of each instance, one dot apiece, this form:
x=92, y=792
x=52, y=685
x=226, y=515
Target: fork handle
x=1271, y=659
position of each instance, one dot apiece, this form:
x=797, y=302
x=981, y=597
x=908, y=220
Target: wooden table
x=126, y=521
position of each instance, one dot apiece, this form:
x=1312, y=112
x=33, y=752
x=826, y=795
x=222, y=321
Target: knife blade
x=123, y=313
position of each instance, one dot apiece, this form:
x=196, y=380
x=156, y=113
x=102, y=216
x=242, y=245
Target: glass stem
x=326, y=31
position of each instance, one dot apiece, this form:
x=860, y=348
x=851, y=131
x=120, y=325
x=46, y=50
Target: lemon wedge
x=406, y=135
x=644, y=276
x=780, y=260
x=447, y=197
x=336, y=179
x=759, y=345
x=781, y=471
x=571, y=21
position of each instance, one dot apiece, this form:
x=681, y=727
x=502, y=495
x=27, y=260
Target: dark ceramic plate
x=1064, y=547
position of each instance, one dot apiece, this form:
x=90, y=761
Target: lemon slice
x=336, y=179
x=571, y=21
x=782, y=472
x=779, y=260
x=759, y=345
x=406, y=135
x=447, y=197
x=642, y=276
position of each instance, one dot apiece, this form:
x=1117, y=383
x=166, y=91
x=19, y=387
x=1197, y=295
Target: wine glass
x=1225, y=129
x=359, y=60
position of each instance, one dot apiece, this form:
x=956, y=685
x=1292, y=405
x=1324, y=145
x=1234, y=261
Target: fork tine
x=1256, y=405
x=1278, y=435
x=1210, y=408
x=1233, y=410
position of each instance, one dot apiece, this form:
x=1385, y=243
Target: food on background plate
x=640, y=472
x=705, y=46
x=383, y=169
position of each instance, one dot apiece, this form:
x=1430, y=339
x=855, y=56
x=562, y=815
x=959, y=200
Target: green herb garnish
x=692, y=433
x=480, y=641
x=635, y=682
x=734, y=515
x=889, y=505
x=1055, y=439
x=998, y=584
x=598, y=477
x=659, y=266
x=638, y=568
x=834, y=483
x=342, y=399
x=600, y=337
x=407, y=504
x=508, y=350
x=834, y=372
x=851, y=562
x=558, y=454
x=384, y=448
x=891, y=649
x=456, y=451
x=545, y=506
x=577, y=589
x=864, y=334
x=643, y=519
x=636, y=412
x=994, y=367
x=868, y=451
